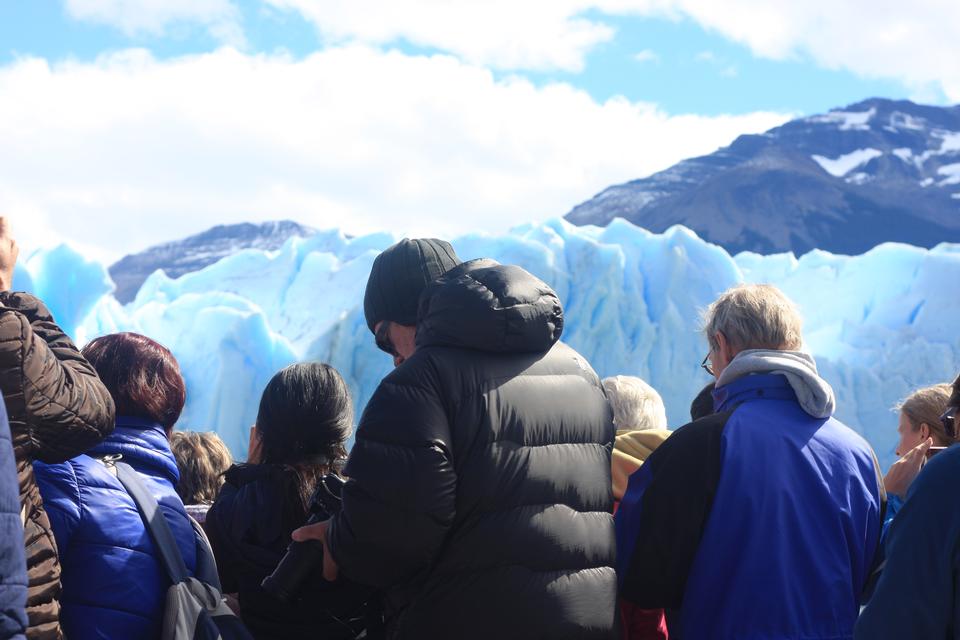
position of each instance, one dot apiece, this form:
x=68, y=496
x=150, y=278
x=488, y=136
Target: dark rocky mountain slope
x=196, y=252
x=844, y=181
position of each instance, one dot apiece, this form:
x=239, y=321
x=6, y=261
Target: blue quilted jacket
x=13, y=567
x=113, y=583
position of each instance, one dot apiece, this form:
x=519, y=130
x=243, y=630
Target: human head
x=141, y=375
x=202, y=458
x=305, y=417
x=920, y=418
x=750, y=316
x=398, y=277
x=636, y=405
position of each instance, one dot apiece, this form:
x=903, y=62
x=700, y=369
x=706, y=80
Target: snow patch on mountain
x=846, y=120
x=899, y=120
x=839, y=167
x=904, y=153
x=859, y=178
x=952, y=173
x=950, y=141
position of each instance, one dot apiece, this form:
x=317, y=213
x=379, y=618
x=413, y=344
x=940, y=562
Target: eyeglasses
x=948, y=420
x=706, y=364
x=383, y=338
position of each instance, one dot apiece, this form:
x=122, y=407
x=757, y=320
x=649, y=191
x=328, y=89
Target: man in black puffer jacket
x=480, y=495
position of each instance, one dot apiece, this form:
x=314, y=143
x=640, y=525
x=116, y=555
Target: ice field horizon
x=877, y=324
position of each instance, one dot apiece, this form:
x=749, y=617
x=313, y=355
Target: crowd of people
x=496, y=486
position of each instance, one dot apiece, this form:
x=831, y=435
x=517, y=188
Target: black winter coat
x=480, y=495
x=249, y=527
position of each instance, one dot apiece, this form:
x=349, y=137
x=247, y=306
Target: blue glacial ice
x=879, y=324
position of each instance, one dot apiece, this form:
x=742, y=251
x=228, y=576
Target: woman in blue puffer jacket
x=113, y=583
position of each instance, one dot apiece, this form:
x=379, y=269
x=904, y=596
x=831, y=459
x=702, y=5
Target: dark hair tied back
x=305, y=417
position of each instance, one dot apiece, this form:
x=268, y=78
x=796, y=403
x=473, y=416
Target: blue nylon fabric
x=894, y=503
x=917, y=594
x=794, y=524
x=13, y=567
x=113, y=583
x=628, y=518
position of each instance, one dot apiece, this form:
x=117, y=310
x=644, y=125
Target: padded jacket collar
x=143, y=444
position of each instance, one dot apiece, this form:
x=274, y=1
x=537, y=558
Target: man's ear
x=723, y=346
x=924, y=431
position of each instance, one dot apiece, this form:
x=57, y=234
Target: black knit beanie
x=400, y=274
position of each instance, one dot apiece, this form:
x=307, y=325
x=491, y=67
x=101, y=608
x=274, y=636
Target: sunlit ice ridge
x=879, y=324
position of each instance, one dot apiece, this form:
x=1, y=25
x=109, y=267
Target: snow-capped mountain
x=845, y=181
x=196, y=252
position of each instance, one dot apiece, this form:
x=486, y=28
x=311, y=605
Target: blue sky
x=675, y=63
x=160, y=118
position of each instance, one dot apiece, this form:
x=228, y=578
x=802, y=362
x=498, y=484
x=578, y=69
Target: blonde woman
x=921, y=432
x=203, y=459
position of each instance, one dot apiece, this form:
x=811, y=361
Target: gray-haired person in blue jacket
x=918, y=595
x=13, y=566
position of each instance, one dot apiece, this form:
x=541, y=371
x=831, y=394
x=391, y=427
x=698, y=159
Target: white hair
x=636, y=405
x=755, y=316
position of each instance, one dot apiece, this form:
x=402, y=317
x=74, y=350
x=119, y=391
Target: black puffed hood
x=491, y=307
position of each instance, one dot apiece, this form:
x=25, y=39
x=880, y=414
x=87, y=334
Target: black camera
x=303, y=558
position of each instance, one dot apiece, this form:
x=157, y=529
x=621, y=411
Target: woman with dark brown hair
x=113, y=583
x=302, y=427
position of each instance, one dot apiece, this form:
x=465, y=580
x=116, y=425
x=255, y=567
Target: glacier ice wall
x=879, y=324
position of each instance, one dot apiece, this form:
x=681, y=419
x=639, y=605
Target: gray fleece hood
x=814, y=394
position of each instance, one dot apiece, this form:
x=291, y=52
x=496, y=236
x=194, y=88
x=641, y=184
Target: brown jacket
x=58, y=409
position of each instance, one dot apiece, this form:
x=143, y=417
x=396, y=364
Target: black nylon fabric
x=490, y=307
x=675, y=507
x=249, y=527
x=480, y=494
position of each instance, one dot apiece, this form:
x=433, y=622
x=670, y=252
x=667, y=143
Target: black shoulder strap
x=160, y=532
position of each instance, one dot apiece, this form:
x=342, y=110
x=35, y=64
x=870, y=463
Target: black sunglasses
x=383, y=338
x=948, y=420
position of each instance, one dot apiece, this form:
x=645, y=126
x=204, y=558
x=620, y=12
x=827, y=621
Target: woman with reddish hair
x=113, y=583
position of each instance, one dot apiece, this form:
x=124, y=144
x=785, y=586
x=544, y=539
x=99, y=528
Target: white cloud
x=135, y=17
x=128, y=151
x=531, y=34
x=914, y=42
x=647, y=55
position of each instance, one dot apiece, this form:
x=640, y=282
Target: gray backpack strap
x=170, y=556
x=206, y=571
